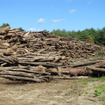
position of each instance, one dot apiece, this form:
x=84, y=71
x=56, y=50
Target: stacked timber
x=39, y=56
x=4, y=30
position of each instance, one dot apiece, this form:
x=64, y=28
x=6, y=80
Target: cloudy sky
x=36, y=15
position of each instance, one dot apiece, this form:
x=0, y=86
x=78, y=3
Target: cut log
x=20, y=70
x=24, y=75
x=45, y=64
x=16, y=78
x=10, y=68
x=96, y=69
x=9, y=60
x=85, y=64
x=20, y=74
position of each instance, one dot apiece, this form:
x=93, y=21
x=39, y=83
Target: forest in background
x=95, y=36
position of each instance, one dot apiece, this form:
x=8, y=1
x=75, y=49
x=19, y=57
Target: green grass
x=90, y=79
x=83, y=82
x=98, y=55
x=101, y=87
x=99, y=90
x=93, y=79
x=98, y=79
x=97, y=93
x=98, y=87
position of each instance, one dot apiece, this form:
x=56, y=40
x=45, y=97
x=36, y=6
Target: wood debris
x=39, y=56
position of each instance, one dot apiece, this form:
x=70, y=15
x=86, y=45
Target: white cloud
x=72, y=10
x=41, y=20
x=59, y=20
x=34, y=29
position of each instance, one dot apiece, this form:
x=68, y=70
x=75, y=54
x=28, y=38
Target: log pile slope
x=39, y=56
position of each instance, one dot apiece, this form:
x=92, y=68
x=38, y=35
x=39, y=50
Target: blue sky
x=36, y=15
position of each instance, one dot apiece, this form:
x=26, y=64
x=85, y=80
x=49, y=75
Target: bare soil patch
x=58, y=92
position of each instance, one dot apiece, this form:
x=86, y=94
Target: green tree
x=60, y=32
x=100, y=37
x=21, y=29
x=4, y=25
x=91, y=35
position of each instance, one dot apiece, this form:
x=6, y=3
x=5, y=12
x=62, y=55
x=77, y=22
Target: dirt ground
x=56, y=92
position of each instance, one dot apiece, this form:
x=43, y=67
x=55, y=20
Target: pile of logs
x=41, y=56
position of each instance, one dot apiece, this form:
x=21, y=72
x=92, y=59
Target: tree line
x=96, y=36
